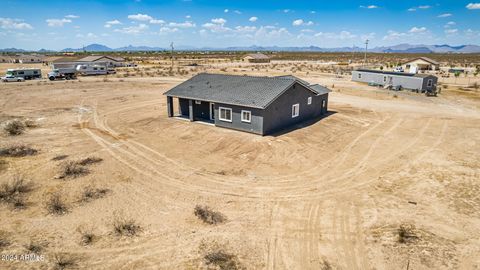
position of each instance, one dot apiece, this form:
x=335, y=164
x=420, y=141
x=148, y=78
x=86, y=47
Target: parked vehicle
x=27, y=74
x=398, y=69
x=92, y=70
x=10, y=78
x=63, y=73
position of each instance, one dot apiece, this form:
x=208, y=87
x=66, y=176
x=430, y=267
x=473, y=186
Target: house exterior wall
x=407, y=82
x=278, y=115
x=255, y=126
x=420, y=64
x=433, y=86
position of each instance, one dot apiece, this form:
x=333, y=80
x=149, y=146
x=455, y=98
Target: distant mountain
x=400, y=48
x=11, y=50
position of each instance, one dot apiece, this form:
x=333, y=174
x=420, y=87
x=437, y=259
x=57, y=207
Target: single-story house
x=109, y=61
x=419, y=64
x=417, y=82
x=259, y=105
x=5, y=59
x=28, y=59
x=257, y=58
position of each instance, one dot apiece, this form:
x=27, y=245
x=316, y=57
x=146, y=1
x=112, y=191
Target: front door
x=212, y=111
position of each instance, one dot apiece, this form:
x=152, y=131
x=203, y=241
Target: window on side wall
x=309, y=100
x=295, y=110
x=225, y=114
x=246, y=116
x=429, y=83
x=359, y=75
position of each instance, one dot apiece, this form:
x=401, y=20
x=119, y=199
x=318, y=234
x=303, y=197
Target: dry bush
x=3, y=165
x=125, y=226
x=4, y=241
x=222, y=260
x=55, y=205
x=89, y=161
x=30, y=123
x=72, y=169
x=64, y=261
x=406, y=233
x=17, y=150
x=208, y=216
x=14, y=127
x=59, y=157
x=91, y=193
x=87, y=237
x=34, y=247
x=12, y=192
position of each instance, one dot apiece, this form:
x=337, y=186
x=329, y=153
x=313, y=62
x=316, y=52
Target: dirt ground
x=330, y=194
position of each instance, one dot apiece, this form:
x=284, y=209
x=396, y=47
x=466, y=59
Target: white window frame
x=249, y=120
x=359, y=75
x=384, y=78
x=429, y=83
x=220, y=114
x=297, y=110
x=309, y=100
x=323, y=103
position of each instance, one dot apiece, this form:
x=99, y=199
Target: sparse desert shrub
x=55, y=205
x=34, y=247
x=3, y=165
x=17, y=150
x=222, y=260
x=30, y=123
x=59, y=157
x=89, y=161
x=406, y=233
x=395, y=96
x=91, y=193
x=87, y=237
x=208, y=216
x=4, y=241
x=64, y=261
x=14, y=127
x=124, y=226
x=11, y=192
x=72, y=169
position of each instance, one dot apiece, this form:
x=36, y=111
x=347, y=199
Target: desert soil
x=329, y=194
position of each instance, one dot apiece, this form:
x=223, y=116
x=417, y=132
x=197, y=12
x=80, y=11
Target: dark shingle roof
x=321, y=90
x=249, y=91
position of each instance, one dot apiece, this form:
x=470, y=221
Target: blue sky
x=56, y=24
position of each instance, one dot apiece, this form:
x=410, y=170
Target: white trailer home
x=26, y=73
x=92, y=69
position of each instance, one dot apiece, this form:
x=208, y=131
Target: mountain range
x=400, y=48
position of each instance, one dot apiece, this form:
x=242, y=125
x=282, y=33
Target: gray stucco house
x=416, y=82
x=259, y=105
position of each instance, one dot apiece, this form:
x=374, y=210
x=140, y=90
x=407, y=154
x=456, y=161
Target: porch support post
x=170, y=106
x=190, y=109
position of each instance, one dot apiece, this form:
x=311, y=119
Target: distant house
x=259, y=105
x=28, y=59
x=416, y=82
x=420, y=64
x=109, y=61
x=5, y=59
x=257, y=58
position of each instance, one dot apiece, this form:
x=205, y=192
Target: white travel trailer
x=26, y=73
x=88, y=69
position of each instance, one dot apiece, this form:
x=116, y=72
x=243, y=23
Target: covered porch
x=193, y=110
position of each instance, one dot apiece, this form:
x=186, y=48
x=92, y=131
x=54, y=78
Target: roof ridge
x=250, y=76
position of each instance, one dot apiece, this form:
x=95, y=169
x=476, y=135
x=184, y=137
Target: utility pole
x=366, y=48
x=171, y=46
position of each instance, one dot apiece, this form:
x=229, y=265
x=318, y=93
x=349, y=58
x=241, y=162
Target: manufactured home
x=260, y=105
x=397, y=80
x=28, y=59
x=257, y=58
x=108, y=61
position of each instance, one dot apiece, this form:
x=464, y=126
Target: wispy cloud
x=7, y=23
x=140, y=17
x=253, y=19
x=301, y=22
x=473, y=6
x=186, y=24
x=72, y=16
x=57, y=22
x=133, y=29
x=109, y=24
x=445, y=15
x=417, y=30
x=370, y=7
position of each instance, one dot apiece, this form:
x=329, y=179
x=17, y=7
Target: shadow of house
x=260, y=105
x=301, y=125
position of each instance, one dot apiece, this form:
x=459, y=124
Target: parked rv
x=92, y=70
x=63, y=73
x=27, y=74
